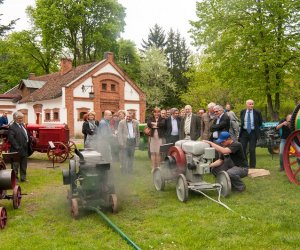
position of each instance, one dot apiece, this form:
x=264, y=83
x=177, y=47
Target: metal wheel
x=73, y=176
x=291, y=157
x=74, y=208
x=295, y=117
x=179, y=156
x=71, y=148
x=274, y=150
x=3, y=217
x=113, y=201
x=158, y=179
x=58, y=154
x=224, y=179
x=2, y=167
x=17, y=196
x=182, y=189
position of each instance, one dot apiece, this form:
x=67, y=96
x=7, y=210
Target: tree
x=156, y=38
x=252, y=44
x=5, y=28
x=128, y=59
x=88, y=28
x=177, y=55
x=155, y=78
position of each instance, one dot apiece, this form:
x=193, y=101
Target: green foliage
x=87, y=28
x=252, y=45
x=156, y=38
x=155, y=78
x=128, y=59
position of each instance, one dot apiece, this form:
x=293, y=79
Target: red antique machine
x=8, y=180
x=291, y=153
x=52, y=139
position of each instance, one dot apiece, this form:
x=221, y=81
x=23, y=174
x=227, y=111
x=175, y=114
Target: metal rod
x=111, y=224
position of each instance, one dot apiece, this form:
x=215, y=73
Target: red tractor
x=46, y=138
x=291, y=153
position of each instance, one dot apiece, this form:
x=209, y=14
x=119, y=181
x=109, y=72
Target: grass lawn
x=266, y=215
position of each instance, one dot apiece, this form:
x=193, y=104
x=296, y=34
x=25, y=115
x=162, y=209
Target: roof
x=33, y=83
x=54, y=83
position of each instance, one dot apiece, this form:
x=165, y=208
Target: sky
x=141, y=15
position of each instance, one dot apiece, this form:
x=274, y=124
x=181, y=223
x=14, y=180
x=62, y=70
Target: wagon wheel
x=291, y=157
x=74, y=208
x=58, y=154
x=113, y=201
x=17, y=196
x=158, y=179
x=71, y=148
x=2, y=167
x=182, y=188
x=224, y=179
x=3, y=217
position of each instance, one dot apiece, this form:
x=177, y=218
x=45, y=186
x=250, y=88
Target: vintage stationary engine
x=187, y=163
x=90, y=181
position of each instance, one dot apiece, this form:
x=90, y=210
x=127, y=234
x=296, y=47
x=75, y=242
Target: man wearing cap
x=4, y=120
x=232, y=160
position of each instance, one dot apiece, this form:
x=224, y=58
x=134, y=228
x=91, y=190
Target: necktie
x=249, y=123
x=187, y=125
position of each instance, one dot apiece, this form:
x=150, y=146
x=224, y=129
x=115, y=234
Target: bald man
x=190, y=125
x=251, y=121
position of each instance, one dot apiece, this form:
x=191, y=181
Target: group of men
x=221, y=129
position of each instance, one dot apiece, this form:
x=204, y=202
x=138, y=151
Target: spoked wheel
x=224, y=179
x=74, y=208
x=182, y=188
x=113, y=201
x=2, y=167
x=17, y=196
x=58, y=154
x=3, y=217
x=291, y=157
x=158, y=179
x=71, y=148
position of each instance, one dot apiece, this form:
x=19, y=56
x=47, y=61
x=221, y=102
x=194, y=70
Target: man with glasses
x=221, y=122
x=232, y=160
x=251, y=121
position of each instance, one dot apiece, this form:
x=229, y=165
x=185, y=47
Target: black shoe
x=24, y=180
x=241, y=189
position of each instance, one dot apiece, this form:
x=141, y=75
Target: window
x=113, y=87
x=56, y=116
x=47, y=116
x=81, y=112
x=81, y=115
x=104, y=86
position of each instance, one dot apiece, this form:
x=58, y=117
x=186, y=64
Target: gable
x=108, y=68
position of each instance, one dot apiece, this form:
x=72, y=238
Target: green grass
x=265, y=217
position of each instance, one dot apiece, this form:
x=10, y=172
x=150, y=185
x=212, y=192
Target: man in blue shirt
x=4, y=120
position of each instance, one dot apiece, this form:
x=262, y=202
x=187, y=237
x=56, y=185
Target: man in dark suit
x=18, y=139
x=173, y=126
x=190, y=125
x=221, y=122
x=251, y=121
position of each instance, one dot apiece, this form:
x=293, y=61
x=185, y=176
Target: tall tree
x=87, y=27
x=156, y=38
x=178, y=63
x=253, y=45
x=155, y=78
x=128, y=58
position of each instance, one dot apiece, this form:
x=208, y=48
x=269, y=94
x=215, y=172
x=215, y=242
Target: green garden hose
x=118, y=230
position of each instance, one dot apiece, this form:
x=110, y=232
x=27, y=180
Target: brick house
x=65, y=96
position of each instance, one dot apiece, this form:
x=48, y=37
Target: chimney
x=65, y=65
x=31, y=76
x=109, y=56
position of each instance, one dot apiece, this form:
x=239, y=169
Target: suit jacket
x=17, y=139
x=224, y=124
x=161, y=123
x=195, y=128
x=169, y=126
x=206, y=123
x=123, y=132
x=257, y=121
